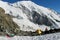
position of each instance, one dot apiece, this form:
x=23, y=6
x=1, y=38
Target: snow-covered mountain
x=30, y=16
x=58, y=14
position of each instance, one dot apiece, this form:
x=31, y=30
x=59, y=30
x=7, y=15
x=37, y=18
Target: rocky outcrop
x=7, y=24
x=40, y=20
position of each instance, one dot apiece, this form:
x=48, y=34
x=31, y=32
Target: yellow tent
x=39, y=31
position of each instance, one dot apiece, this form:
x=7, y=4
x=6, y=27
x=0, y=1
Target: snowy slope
x=30, y=16
x=58, y=14
x=55, y=36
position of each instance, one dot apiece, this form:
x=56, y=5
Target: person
x=46, y=29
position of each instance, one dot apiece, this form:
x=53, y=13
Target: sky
x=53, y=4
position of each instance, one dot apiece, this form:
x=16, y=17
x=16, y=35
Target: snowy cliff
x=30, y=16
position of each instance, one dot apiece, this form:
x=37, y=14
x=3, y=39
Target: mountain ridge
x=30, y=16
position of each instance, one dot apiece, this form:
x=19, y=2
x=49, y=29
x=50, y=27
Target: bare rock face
x=7, y=24
x=40, y=20
x=2, y=10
